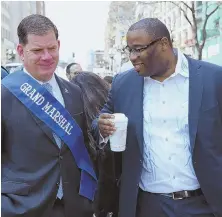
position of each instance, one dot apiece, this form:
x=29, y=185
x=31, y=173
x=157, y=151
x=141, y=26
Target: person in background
x=108, y=79
x=4, y=72
x=41, y=174
x=172, y=165
x=95, y=92
x=72, y=70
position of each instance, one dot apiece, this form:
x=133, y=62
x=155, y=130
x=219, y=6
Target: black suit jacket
x=4, y=72
x=32, y=162
x=205, y=132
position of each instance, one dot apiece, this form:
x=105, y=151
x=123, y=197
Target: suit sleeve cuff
x=102, y=141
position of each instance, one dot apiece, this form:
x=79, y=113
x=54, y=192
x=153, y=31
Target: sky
x=81, y=26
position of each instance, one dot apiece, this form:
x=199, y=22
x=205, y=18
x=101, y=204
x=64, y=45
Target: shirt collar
x=182, y=67
x=52, y=81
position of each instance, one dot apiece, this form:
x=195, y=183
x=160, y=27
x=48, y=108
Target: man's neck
x=37, y=79
x=170, y=69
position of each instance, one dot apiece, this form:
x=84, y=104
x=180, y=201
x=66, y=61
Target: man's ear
x=58, y=43
x=20, y=51
x=165, y=43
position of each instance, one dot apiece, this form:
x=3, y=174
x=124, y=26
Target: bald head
x=153, y=27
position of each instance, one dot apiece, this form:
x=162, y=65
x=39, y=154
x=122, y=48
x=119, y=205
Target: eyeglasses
x=137, y=51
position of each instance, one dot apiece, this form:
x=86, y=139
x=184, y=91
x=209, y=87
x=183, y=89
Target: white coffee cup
x=118, y=138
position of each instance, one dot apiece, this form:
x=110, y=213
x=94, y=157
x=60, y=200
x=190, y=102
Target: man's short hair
x=35, y=24
x=68, y=68
x=70, y=72
x=154, y=28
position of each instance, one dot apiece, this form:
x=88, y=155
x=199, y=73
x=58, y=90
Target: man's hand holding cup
x=114, y=126
x=106, y=126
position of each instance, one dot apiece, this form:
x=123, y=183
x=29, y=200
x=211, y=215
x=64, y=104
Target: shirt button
x=164, y=102
x=57, y=183
x=164, y=121
x=166, y=139
x=170, y=158
x=60, y=157
x=174, y=177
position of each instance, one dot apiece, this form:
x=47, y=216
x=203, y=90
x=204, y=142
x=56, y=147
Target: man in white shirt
x=172, y=163
x=40, y=176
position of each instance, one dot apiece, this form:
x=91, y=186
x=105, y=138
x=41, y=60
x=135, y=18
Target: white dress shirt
x=167, y=159
x=55, y=87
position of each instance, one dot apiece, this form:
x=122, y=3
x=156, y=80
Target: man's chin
x=142, y=73
x=46, y=75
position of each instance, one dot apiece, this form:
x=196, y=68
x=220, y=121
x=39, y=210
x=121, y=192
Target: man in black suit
x=172, y=165
x=40, y=176
x=72, y=70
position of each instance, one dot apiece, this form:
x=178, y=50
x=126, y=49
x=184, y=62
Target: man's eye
x=37, y=50
x=139, y=48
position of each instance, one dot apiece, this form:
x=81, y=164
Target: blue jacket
x=205, y=131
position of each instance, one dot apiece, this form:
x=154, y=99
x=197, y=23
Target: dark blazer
x=32, y=162
x=205, y=130
x=4, y=72
x=109, y=172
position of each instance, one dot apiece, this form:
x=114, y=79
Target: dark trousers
x=58, y=209
x=156, y=205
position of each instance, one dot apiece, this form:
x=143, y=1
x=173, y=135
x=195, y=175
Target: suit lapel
x=67, y=97
x=66, y=94
x=44, y=128
x=195, y=97
x=137, y=107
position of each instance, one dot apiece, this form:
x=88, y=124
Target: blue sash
x=46, y=107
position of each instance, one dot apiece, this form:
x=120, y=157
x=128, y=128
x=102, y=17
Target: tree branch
x=205, y=24
x=184, y=3
x=184, y=12
x=212, y=12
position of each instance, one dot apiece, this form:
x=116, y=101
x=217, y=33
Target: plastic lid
x=120, y=117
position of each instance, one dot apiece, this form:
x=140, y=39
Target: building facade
x=212, y=51
x=11, y=14
x=180, y=29
x=121, y=17
x=96, y=63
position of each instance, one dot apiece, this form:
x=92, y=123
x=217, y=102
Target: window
x=217, y=22
x=213, y=50
x=179, y=38
x=173, y=20
x=2, y=32
x=199, y=3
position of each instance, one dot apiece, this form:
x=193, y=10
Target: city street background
x=93, y=33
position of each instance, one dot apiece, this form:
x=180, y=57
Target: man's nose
x=133, y=56
x=46, y=55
